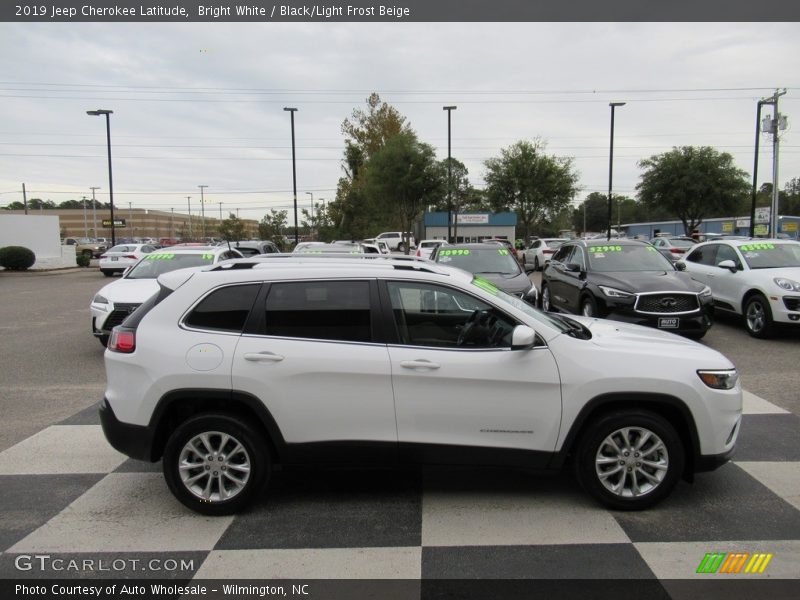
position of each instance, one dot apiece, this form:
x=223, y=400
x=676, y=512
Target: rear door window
x=224, y=309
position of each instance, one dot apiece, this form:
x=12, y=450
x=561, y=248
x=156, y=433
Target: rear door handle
x=264, y=356
x=419, y=364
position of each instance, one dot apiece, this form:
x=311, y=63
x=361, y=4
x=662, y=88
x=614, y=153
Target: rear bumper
x=135, y=441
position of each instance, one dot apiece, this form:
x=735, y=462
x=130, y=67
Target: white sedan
x=759, y=279
x=426, y=247
x=122, y=256
x=539, y=253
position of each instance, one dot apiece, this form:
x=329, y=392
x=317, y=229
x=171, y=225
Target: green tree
x=75, y=204
x=16, y=205
x=354, y=213
x=404, y=175
x=272, y=226
x=232, y=229
x=39, y=204
x=692, y=183
x=536, y=186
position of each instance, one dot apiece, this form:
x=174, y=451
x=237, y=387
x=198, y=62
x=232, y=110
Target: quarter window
x=704, y=255
x=327, y=310
x=224, y=309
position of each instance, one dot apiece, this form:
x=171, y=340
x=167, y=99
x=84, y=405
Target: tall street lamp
x=291, y=111
x=312, y=213
x=613, y=105
x=202, y=211
x=97, y=113
x=449, y=110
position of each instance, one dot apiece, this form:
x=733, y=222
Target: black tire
x=103, y=339
x=758, y=317
x=253, y=451
x=107, y=272
x=401, y=247
x=589, y=307
x=536, y=266
x=654, y=479
x=545, y=302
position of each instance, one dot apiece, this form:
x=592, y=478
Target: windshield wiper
x=576, y=330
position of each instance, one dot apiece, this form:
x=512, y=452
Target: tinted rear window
x=224, y=309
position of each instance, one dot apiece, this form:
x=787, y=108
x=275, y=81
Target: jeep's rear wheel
x=630, y=460
x=215, y=464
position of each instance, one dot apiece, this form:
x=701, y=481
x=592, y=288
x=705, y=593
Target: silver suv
x=230, y=369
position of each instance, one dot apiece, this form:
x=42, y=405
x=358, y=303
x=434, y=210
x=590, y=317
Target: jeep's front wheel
x=630, y=460
x=215, y=464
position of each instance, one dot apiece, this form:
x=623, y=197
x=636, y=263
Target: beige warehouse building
x=137, y=223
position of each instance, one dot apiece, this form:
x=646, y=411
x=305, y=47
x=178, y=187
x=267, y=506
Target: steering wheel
x=469, y=325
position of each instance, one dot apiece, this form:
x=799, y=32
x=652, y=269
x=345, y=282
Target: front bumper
x=135, y=441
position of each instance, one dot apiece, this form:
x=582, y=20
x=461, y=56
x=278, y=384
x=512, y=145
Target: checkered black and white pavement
x=68, y=495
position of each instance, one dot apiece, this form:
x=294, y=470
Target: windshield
x=608, y=258
x=765, y=255
x=493, y=259
x=681, y=243
x=123, y=249
x=156, y=264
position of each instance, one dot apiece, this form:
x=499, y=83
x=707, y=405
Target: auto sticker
x=456, y=252
x=485, y=285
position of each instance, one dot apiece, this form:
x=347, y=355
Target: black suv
x=626, y=280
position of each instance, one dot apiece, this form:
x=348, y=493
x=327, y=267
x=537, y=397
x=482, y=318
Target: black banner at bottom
x=404, y=589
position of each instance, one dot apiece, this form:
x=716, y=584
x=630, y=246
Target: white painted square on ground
x=314, y=563
x=680, y=560
x=126, y=512
x=754, y=405
x=783, y=478
x=62, y=449
x=515, y=517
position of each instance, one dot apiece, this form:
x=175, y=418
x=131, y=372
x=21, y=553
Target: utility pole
x=202, y=211
x=172, y=222
x=189, y=203
x=774, y=126
x=24, y=199
x=450, y=216
x=94, y=212
x=85, y=225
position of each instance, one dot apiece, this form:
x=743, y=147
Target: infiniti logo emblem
x=668, y=302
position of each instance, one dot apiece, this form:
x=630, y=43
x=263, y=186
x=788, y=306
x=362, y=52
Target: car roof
x=613, y=242
x=191, y=250
x=294, y=267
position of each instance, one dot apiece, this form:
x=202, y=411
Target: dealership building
x=470, y=227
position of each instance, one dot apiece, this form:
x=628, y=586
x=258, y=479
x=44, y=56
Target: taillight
x=677, y=250
x=130, y=256
x=122, y=340
x=548, y=251
x=103, y=256
x=419, y=253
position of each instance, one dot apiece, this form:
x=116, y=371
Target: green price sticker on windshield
x=208, y=257
x=605, y=249
x=160, y=256
x=503, y=251
x=457, y=252
x=759, y=246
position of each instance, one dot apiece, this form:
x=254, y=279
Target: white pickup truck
x=395, y=240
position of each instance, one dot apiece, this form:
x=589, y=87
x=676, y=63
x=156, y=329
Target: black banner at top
x=399, y=10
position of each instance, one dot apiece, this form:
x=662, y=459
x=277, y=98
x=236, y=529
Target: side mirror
x=681, y=266
x=728, y=264
x=573, y=267
x=522, y=338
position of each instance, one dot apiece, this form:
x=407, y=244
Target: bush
x=16, y=258
x=83, y=260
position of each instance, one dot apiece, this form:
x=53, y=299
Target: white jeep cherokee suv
x=233, y=368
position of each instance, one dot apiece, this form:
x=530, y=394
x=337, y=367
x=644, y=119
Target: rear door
x=314, y=361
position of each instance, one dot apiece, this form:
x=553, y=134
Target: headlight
x=615, y=293
x=720, y=380
x=787, y=284
x=98, y=299
x=705, y=292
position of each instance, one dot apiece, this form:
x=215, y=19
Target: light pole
x=85, y=226
x=94, y=212
x=202, y=211
x=107, y=113
x=613, y=105
x=291, y=111
x=755, y=169
x=450, y=215
x=220, y=212
x=189, y=204
x=312, y=213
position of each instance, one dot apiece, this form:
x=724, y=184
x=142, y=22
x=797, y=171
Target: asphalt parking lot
x=70, y=495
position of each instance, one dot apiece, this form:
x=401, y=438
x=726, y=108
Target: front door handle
x=419, y=364
x=264, y=356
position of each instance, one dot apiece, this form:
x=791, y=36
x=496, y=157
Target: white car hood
x=787, y=272
x=129, y=290
x=633, y=339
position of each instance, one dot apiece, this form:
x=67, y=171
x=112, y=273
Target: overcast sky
x=201, y=103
